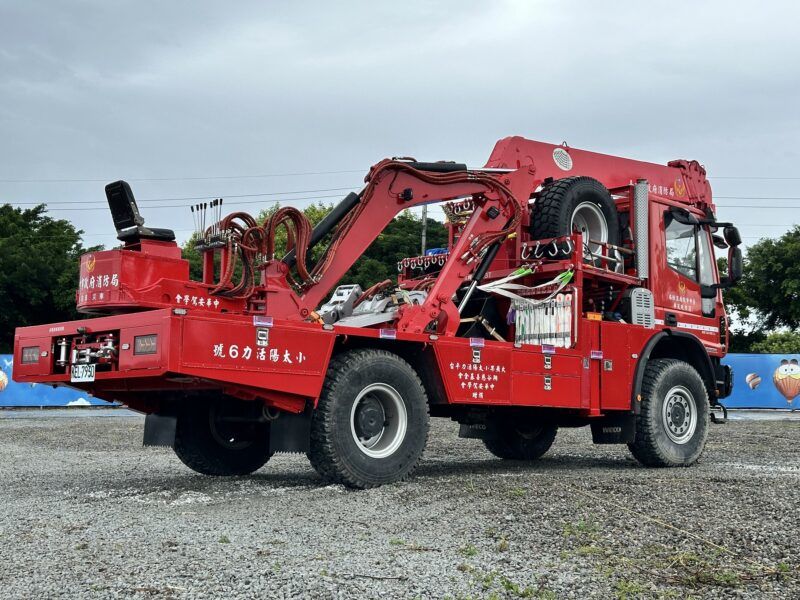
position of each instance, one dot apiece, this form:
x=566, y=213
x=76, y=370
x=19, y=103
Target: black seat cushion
x=135, y=234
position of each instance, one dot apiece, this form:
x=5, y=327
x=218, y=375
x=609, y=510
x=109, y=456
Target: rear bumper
x=231, y=353
x=125, y=327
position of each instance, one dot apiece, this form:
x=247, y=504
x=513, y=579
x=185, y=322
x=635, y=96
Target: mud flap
x=159, y=430
x=290, y=433
x=474, y=431
x=614, y=429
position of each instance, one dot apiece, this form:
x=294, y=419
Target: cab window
x=706, y=263
x=705, y=258
x=681, y=247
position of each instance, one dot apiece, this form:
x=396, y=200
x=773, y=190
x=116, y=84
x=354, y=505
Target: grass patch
x=581, y=528
x=496, y=585
x=627, y=589
x=588, y=550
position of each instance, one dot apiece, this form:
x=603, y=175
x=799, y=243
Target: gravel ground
x=85, y=511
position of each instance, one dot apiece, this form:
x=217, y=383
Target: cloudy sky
x=259, y=101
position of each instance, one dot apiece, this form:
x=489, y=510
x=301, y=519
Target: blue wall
x=766, y=393
x=32, y=394
x=763, y=394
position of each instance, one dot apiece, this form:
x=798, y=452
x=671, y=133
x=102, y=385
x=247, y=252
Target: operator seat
x=127, y=220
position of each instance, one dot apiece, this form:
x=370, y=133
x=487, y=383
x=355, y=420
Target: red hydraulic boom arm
x=393, y=186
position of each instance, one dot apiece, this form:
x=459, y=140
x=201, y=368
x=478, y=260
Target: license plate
x=81, y=373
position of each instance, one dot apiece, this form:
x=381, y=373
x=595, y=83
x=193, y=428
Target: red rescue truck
x=577, y=289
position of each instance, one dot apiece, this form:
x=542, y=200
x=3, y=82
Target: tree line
x=39, y=261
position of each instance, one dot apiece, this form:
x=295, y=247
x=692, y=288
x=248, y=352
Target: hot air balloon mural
x=753, y=380
x=787, y=379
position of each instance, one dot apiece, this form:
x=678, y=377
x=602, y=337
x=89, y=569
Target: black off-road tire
x=199, y=442
x=653, y=446
x=552, y=211
x=512, y=442
x=334, y=452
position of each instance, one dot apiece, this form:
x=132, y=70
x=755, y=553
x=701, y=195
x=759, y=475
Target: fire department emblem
x=681, y=287
x=90, y=262
x=680, y=187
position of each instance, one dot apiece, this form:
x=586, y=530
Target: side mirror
x=735, y=264
x=709, y=291
x=735, y=268
x=732, y=236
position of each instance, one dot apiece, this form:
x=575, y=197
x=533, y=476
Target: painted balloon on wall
x=787, y=379
x=753, y=380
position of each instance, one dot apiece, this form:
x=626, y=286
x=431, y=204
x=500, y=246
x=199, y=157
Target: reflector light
x=30, y=355
x=144, y=344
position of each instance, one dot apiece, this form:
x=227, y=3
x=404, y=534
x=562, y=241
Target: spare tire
x=576, y=204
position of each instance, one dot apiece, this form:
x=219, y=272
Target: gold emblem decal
x=680, y=187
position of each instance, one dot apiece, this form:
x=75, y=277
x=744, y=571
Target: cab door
x=682, y=260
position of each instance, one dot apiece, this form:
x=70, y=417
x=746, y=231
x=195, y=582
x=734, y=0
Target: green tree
x=779, y=342
x=769, y=293
x=39, y=269
x=190, y=253
x=399, y=240
x=742, y=340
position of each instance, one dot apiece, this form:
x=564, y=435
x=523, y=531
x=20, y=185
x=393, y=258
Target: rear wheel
x=672, y=425
x=520, y=441
x=370, y=426
x=222, y=436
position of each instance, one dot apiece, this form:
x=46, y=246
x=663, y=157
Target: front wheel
x=672, y=425
x=222, y=436
x=370, y=426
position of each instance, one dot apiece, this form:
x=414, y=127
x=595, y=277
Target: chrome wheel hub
x=679, y=414
x=589, y=221
x=378, y=420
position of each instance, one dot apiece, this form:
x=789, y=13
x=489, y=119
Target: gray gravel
x=85, y=511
